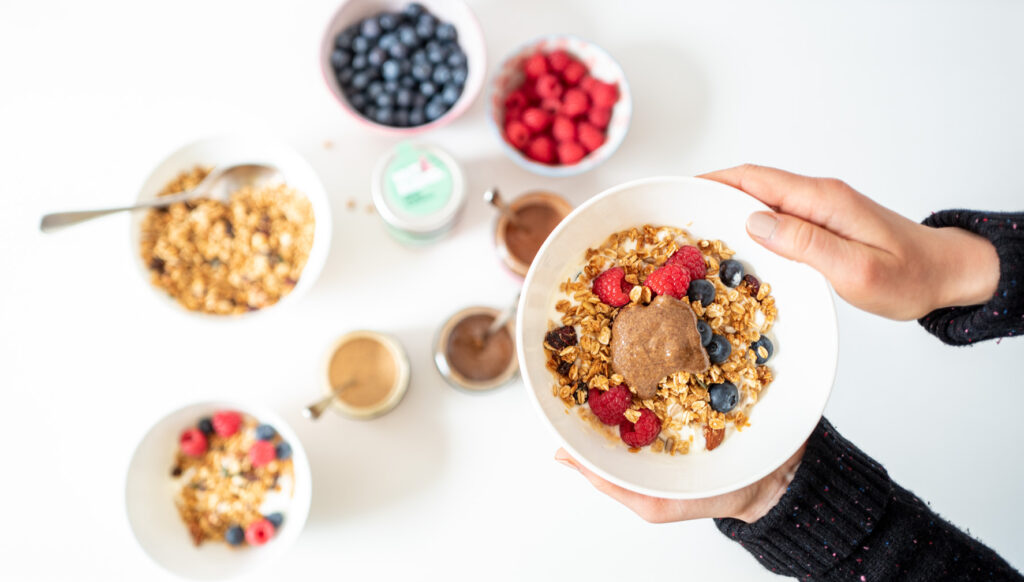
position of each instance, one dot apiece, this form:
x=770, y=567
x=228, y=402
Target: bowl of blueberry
x=404, y=67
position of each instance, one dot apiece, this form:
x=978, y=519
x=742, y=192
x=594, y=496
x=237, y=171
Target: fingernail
x=762, y=224
x=568, y=464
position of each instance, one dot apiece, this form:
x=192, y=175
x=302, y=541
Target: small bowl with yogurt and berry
x=217, y=489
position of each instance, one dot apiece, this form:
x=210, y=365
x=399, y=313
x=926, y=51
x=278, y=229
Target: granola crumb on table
x=232, y=257
x=741, y=314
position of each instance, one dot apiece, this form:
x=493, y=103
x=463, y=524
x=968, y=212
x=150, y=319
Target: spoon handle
x=58, y=220
x=493, y=197
x=313, y=411
x=502, y=319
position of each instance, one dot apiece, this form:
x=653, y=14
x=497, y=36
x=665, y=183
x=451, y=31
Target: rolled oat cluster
x=228, y=258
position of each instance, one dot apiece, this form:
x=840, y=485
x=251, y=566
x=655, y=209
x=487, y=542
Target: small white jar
x=419, y=191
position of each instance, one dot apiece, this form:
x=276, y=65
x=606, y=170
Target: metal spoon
x=218, y=185
x=313, y=411
x=493, y=197
x=499, y=322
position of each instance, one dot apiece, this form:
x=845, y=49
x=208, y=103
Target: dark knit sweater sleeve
x=842, y=518
x=1004, y=314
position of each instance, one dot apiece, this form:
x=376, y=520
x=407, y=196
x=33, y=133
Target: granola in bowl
x=691, y=361
x=171, y=481
x=233, y=479
x=228, y=258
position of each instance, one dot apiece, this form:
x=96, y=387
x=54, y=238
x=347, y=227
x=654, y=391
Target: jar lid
x=418, y=188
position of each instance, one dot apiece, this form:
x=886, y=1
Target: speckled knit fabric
x=1003, y=315
x=842, y=518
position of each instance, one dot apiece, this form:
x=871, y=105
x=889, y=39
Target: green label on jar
x=416, y=182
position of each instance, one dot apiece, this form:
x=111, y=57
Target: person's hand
x=876, y=259
x=748, y=504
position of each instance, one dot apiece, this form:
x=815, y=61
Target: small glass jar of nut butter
x=365, y=374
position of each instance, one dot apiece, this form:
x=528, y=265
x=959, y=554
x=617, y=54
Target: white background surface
x=916, y=103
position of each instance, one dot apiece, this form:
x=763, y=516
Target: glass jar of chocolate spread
x=419, y=192
x=519, y=237
x=468, y=358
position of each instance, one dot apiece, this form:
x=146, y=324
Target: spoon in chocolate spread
x=493, y=197
x=650, y=342
x=499, y=322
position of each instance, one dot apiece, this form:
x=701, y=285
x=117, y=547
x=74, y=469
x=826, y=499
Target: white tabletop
x=916, y=103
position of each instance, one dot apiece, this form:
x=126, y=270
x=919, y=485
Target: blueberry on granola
x=701, y=290
x=206, y=425
x=763, y=349
x=562, y=337
x=730, y=272
x=275, y=518
x=265, y=432
x=718, y=349
x=283, y=450
x=235, y=535
x=724, y=396
x=705, y=332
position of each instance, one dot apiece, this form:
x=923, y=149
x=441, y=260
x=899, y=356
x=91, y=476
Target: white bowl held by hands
x=154, y=520
x=805, y=333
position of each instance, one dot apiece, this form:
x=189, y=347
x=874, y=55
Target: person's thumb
x=799, y=240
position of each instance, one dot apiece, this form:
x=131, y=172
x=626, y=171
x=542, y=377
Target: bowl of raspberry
x=560, y=105
x=217, y=489
x=404, y=67
x=667, y=350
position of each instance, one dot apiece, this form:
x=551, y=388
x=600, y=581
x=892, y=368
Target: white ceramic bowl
x=805, y=333
x=471, y=40
x=154, y=520
x=226, y=151
x=602, y=67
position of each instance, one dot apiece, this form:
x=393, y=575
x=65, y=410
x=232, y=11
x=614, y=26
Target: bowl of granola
x=216, y=489
x=670, y=353
x=266, y=245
